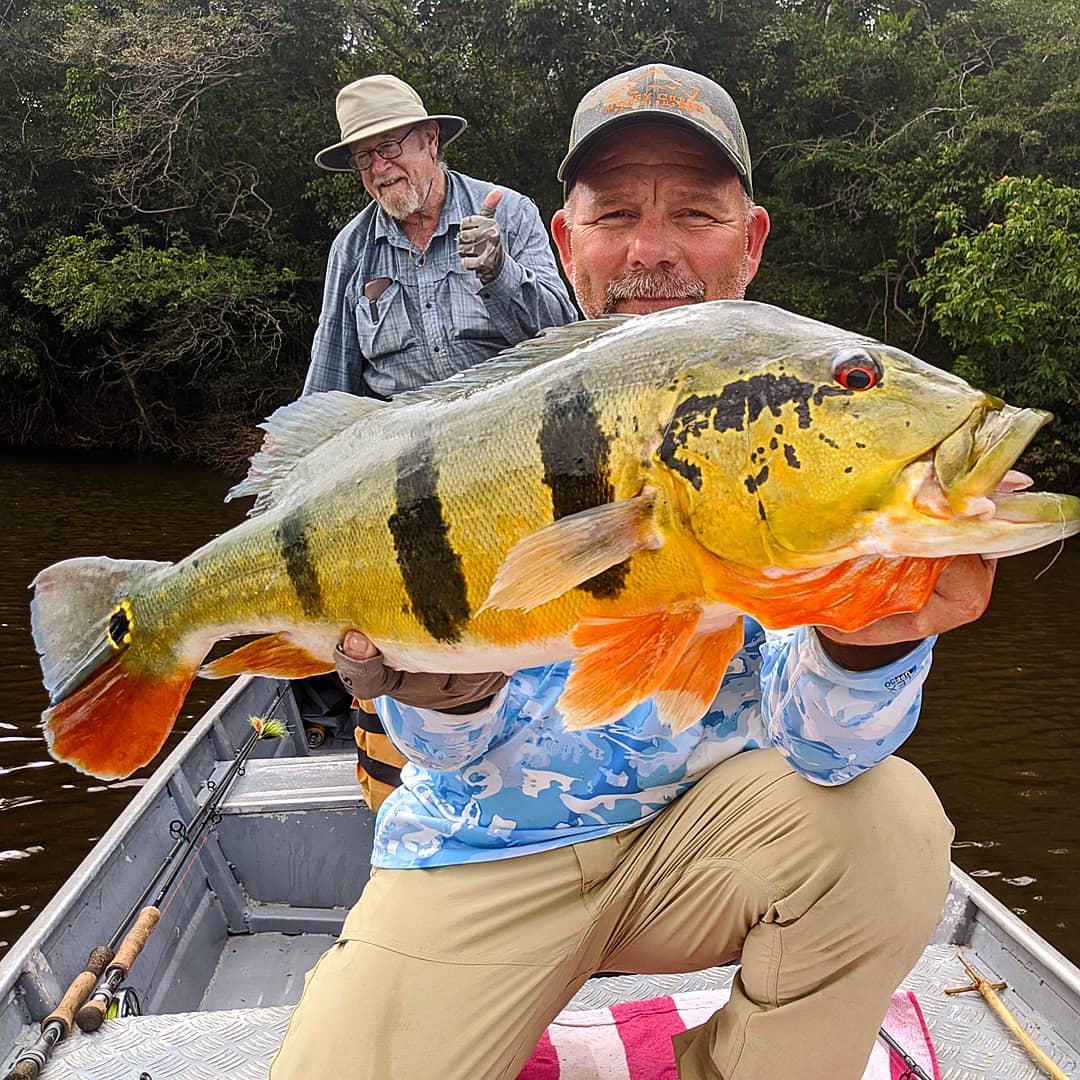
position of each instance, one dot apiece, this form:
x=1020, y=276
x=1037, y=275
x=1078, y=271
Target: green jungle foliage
x=163, y=229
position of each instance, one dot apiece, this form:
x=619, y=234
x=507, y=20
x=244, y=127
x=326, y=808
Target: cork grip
x=80, y=989
x=24, y=1070
x=92, y=1014
x=133, y=944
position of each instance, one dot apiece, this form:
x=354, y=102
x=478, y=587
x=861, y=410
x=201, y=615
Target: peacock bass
x=618, y=492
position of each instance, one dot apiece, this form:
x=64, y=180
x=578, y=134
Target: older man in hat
x=440, y=271
x=518, y=858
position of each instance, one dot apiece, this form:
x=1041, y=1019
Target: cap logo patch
x=640, y=93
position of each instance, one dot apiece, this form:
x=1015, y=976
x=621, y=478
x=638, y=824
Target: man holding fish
x=524, y=853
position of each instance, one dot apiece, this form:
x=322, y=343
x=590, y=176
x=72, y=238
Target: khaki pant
x=827, y=895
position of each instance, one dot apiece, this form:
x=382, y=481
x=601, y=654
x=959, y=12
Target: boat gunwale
x=1016, y=930
x=52, y=916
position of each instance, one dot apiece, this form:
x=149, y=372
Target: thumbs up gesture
x=480, y=244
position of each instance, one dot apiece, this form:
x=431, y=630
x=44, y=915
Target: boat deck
x=240, y=1043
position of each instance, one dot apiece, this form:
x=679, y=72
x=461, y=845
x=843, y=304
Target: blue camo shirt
x=437, y=318
x=509, y=780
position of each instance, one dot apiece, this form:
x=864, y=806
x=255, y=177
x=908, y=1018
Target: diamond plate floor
x=239, y=1044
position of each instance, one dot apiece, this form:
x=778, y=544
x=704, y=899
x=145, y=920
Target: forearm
x=440, y=721
x=442, y=740
x=522, y=301
x=833, y=722
x=528, y=294
x=856, y=657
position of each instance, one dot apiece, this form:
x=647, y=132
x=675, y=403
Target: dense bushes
x=163, y=230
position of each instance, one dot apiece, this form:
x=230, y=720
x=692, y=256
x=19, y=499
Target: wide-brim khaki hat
x=376, y=104
x=658, y=93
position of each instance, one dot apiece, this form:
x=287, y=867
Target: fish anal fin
x=275, y=656
x=560, y=556
x=116, y=721
x=621, y=662
x=686, y=694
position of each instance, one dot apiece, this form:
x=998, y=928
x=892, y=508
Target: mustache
x=659, y=284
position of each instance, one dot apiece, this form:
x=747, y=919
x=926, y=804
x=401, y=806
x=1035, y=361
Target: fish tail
x=115, y=690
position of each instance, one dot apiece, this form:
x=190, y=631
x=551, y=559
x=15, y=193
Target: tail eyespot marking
x=121, y=622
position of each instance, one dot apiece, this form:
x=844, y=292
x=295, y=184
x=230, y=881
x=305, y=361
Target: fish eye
x=856, y=369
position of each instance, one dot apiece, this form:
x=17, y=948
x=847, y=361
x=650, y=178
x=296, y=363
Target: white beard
x=400, y=201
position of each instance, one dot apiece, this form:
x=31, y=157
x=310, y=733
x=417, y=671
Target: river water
x=999, y=735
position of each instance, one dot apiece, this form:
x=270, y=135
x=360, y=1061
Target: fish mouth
x=969, y=476
x=972, y=467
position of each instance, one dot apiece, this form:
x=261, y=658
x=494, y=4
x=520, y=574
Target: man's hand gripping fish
x=617, y=491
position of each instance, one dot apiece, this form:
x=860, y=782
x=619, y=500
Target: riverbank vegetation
x=163, y=229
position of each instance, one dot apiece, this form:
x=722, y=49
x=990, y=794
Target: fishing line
x=192, y=863
x=1061, y=545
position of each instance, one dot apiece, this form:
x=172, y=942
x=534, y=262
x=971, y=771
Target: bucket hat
x=376, y=104
x=658, y=93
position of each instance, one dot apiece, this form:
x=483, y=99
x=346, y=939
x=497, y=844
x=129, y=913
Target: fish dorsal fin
x=295, y=430
x=292, y=432
x=551, y=343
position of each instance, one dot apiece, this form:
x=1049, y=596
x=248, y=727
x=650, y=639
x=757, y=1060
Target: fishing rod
x=58, y=1023
x=91, y=1015
x=107, y=966
x=913, y=1068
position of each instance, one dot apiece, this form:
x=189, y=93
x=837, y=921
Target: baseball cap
x=658, y=93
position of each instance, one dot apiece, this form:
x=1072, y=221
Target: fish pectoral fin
x=275, y=656
x=685, y=695
x=621, y=662
x=560, y=556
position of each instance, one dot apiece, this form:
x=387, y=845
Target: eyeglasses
x=362, y=159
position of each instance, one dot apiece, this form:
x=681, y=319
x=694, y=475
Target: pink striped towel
x=632, y=1041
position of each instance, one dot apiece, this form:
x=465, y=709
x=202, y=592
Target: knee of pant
x=891, y=837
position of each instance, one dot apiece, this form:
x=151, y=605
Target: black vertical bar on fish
x=431, y=569
x=292, y=539
x=576, y=455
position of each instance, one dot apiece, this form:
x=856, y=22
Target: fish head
x=794, y=444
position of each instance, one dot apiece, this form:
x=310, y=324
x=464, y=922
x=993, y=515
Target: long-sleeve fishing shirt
x=435, y=317
x=510, y=780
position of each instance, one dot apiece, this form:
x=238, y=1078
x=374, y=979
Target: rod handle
x=80, y=989
x=136, y=938
x=92, y=1014
x=23, y=1070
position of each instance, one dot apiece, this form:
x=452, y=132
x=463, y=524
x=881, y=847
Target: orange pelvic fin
x=116, y=721
x=553, y=560
x=686, y=694
x=622, y=662
x=275, y=656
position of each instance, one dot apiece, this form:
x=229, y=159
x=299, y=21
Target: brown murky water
x=999, y=737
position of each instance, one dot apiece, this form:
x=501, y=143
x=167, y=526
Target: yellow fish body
x=618, y=492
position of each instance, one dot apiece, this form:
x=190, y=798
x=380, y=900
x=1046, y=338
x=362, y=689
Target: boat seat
x=326, y=782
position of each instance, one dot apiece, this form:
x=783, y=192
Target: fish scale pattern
x=240, y=1044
